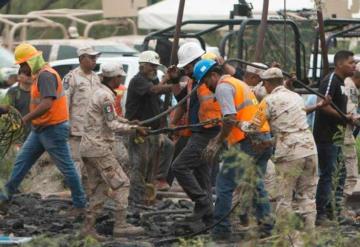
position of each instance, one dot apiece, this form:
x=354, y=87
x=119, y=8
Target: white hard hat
x=149, y=57
x=255, y=70
x=272, y=73
x=112, y=69
x=188, y=52
x=87, y=49
x=357, y=67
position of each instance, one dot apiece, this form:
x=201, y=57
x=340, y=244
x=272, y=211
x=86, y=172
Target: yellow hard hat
x=209, y=56
x=24, y=52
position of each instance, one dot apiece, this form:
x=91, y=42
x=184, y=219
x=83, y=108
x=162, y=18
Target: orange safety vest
x=120, y=91
x=58, y=112
x=185, y=119
x=246, y=106
x=209, y=108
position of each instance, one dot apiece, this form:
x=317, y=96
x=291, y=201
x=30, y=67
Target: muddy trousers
x=351, y=164
x=106, y=179
x=148, y=160
x=297, y=183
x=192, y=173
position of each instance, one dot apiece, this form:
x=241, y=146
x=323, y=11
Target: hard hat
x=209, y=55
x=255, y=70
x=272, y=73
x=357, y=67
x=188, y=52
x=24, y=52
x=149, y=57
x=112, y=69
x=202, y=68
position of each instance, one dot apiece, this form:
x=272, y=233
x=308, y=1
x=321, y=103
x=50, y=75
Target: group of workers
x=84, y=110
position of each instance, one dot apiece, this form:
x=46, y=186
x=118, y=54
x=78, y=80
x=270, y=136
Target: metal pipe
x=174, y=47
x=262, y=31
x=324, y=51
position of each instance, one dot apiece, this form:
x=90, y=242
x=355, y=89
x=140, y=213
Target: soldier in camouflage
x=79, y=84
x=106, y=178
x=295, y=150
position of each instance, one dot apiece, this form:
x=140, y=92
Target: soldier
x=295, y=149
x=79, y=84
x=352, y=90
x=106, y=178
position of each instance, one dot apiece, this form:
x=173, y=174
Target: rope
x=11, y=130
x=181, y=127
x=342, y=114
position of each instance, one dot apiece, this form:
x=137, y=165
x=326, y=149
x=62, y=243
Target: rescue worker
x=252, y=78
x=352, y=89
x=152, y=155
x=295, y=150
x=327, y=120
x=191, y=172
x=238, y=103
x=106, y=178
x=50, y=129
x=79, y=84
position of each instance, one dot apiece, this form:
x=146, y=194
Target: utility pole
x=261, y=32
x=174, y=47
x=324, y=50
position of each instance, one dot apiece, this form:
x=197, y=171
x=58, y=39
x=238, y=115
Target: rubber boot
x=123, y=229
x=89, y=229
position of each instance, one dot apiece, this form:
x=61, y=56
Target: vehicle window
x=6, y=58
x=66, y=51
x=46, y=49
x=64, y=69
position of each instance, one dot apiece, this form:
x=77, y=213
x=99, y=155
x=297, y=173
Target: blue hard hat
x=202, y=67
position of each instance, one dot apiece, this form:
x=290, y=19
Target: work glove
x=174, y=74
x=212, y=151
x=4, y=109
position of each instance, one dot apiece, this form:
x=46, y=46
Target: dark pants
x=228, y=179
x=332, y=174
x=145, y=160
x=179, y=146
x=192, y=173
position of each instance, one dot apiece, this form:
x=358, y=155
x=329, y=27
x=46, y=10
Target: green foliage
x=198, y=241
x=358, y=151
x=63, y=240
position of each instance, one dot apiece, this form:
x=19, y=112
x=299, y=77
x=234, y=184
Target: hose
x=11, y=130
x=342, y=114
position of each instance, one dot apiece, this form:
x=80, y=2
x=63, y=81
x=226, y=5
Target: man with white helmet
x=192, y=173
x=143, y=102
x=252, y=78
x=106, y=178
x=79, y=84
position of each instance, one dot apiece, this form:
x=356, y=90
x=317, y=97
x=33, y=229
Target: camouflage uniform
x=295, y=152
x=105, y=175
x=78, y=89
x=349, y=150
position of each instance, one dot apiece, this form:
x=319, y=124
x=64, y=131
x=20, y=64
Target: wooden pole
x=324, y=50
x=261, y=32
x=174, y=48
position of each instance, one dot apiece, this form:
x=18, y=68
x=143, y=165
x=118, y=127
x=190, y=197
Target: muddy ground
x=30, y=215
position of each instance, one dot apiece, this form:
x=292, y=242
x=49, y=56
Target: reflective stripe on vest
x=58, y=111
x=246, y=105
